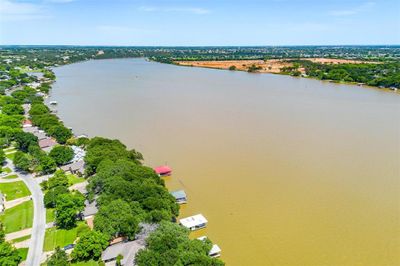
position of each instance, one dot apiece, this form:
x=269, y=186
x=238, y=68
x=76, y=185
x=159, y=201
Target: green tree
x=22, y=161
x=62, y=154
x=12, y=109
x=60, y=133
x=117, y=219
x=58, y=179
x=89, y=246
x=59, y=258
x=50, y=198
x=67, y=208
x=46, y=164
x=170, y=245
x=2, y=157
x=24, y=140
x=9, y=256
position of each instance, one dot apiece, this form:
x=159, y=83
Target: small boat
x=53, y=102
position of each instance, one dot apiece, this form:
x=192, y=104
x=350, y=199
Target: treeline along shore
x=122, y=212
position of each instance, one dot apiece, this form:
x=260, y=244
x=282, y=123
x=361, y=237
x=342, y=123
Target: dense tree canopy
x=100, y=149
x=118, y=218
x=67, y=208
x=89, y=246
x=12, y=109
x=9, y=256
x=170, y=245
x=58, y=258
x=61, y=154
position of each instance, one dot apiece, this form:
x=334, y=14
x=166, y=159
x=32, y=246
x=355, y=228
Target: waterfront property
x=163, y=170
x=128, y=251
x=47, y=144
x=77, y=168
x=194, y=222
x=180, y=196
x=215, y=250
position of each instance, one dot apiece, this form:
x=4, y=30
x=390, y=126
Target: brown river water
x=288, y=171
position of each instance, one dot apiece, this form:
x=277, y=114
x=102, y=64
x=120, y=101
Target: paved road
x=39, y=218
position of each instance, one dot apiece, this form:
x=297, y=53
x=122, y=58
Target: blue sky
x=199, y=22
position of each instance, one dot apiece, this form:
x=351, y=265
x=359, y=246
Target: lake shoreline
x=179, y=63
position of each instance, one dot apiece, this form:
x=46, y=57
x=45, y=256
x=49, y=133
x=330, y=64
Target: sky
x=199, y=22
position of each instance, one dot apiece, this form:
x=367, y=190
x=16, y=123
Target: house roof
x=90, y=208
x=192, y=221
x=47, y=142
x=163, y=169
x=179, y=194
x=75, y=166
x=128, y=250
x=215, y=249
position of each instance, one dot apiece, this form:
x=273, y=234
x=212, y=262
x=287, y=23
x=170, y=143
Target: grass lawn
x=6, y=170
x=85, y=263
x=10, y=156
x=10, y=177
x=18, y=217
x=59, y=237
x=49, y=215
x=14, y=190
x=73, y=179
x=20, y=239
x=23, y=252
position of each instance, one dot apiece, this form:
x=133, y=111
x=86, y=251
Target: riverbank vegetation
x=128, y=194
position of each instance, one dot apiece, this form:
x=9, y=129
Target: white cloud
x=19, y=11
x=352, y=11
x=189, y=10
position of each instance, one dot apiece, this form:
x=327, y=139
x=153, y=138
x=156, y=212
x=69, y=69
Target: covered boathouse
x=163, y=170
x=194, y=222
x=180, y=196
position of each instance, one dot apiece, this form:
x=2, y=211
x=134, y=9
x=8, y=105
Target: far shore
x=274, y=66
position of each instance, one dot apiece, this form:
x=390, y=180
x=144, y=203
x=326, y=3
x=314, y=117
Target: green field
x=59, y=237
x=86, y=263
x=10, y=156
x=6, y=170
x=49, y=215
x=18, y=217
x=10, y=177
x=20, y=239
x=73, y=179
x=14, y=190
x=23, y=252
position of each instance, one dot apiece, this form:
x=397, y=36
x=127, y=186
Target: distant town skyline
x=199, y=23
